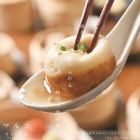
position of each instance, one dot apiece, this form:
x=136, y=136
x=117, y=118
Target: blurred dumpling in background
x=133, y=115
x=41, y=42
x=15, y=15
x=59, y=12
x=118, y=7
x=33, y=125
x=7, y=86
x=94, y=115
x=11, y=59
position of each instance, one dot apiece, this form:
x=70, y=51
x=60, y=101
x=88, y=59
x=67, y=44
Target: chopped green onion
x=63, y=48
x=82, y=47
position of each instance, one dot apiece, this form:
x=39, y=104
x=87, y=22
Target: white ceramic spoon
x=121, y=37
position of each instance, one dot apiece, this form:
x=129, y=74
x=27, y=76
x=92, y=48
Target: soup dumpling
x=74, y=72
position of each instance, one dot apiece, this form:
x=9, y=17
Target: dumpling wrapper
x=73, y=73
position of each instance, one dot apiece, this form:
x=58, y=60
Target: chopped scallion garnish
x=63, y=48
x=82, y=47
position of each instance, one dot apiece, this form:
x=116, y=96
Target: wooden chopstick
x=86, y=12
x=102, y=19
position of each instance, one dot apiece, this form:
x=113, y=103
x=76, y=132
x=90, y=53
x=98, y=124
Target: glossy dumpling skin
x=73, y=73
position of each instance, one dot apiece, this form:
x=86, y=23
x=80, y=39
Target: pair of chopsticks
x=102, y=19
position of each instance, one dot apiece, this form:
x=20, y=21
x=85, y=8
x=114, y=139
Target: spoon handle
x=119, y=35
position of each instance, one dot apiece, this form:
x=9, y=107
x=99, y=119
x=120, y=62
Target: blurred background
x=27, y=28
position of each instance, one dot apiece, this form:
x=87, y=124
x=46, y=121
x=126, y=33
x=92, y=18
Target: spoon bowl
x=121, y=39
